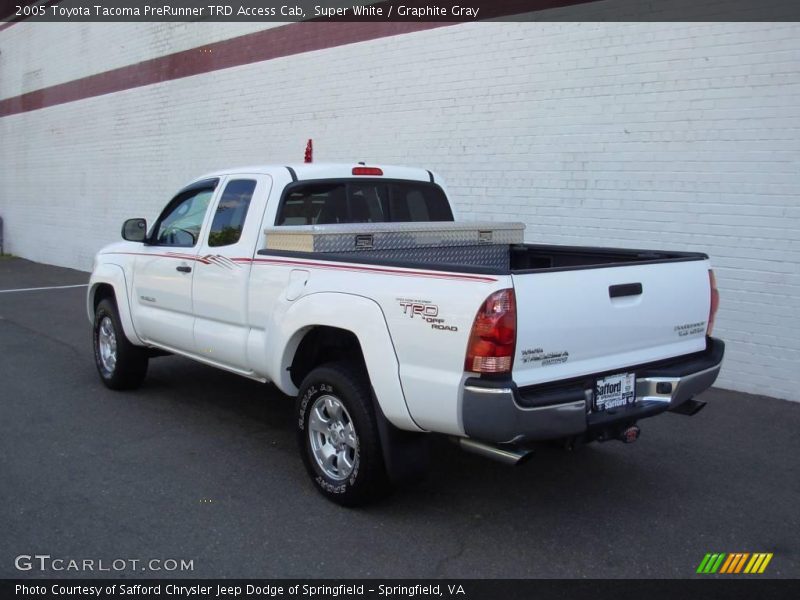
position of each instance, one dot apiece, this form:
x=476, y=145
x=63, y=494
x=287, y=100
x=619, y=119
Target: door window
x=226, y=229
x=180, y=223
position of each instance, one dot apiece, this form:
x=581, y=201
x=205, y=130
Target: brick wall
x=659, y=135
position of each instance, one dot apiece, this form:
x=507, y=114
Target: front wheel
x=338, y=435
x=121, y=365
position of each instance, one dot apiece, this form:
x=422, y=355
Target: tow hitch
x=630, y=434
x=626, y=433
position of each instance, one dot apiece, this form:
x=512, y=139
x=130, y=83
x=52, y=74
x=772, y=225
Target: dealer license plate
x=615, y=391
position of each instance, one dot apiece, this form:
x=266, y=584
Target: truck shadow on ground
x=458, y=479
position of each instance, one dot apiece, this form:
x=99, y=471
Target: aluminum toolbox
x=364, y=237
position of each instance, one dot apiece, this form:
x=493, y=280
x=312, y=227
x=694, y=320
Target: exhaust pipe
x=509, y=456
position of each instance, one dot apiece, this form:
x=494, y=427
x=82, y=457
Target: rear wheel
x=338, y=435
x=121, y=365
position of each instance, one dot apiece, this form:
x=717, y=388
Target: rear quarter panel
x=425, y=315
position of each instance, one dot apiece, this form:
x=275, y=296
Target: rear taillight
x=494, y=335
x=712, y=311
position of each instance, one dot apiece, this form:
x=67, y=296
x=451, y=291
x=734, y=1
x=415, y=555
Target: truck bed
x=499, y=259
x=580, y=310
x=488, y=247
x=537, y=257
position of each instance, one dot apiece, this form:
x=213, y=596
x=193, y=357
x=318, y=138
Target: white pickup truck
x=353, y=289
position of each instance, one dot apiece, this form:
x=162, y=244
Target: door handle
x=624, y=289
x=184, y=269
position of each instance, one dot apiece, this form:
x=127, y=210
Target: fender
x=113, y=275
x=357, y=314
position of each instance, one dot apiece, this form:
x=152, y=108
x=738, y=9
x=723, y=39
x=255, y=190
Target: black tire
x=366, y=480
x=130, y=366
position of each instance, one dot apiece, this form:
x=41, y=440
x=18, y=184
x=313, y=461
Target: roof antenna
x=309, y=156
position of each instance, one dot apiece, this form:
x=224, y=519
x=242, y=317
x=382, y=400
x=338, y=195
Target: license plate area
x=614, y=392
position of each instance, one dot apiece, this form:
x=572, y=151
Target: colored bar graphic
x=765, y=563
x=734, y=563
x=726, y=566
x=712, y=558
x=754, y=563
x=741, y=562
x=717, y=564
x=703, y=563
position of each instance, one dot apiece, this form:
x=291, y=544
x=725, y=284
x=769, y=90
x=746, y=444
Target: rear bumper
x=498, y=411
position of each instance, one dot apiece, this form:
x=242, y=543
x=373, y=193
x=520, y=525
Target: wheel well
x=324, y=344
x=102, y=292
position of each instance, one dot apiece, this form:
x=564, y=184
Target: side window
x=180, y=223
x=226, y=229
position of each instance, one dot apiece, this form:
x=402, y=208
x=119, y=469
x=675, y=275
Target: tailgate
x=578, y=322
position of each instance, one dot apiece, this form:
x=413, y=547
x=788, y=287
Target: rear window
x=363, y=201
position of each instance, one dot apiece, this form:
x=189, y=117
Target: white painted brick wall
x=37, y=55
x=659, y=135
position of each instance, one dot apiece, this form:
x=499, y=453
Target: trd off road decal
x=538, y=357
x=425, y=311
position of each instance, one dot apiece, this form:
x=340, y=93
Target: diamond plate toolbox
x=361, y=237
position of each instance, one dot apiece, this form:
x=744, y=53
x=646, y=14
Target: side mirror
x=134, y=230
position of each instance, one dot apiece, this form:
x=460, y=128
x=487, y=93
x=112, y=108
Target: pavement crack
x=440, y=565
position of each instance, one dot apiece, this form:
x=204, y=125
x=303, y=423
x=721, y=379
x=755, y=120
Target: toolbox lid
x=352, y=237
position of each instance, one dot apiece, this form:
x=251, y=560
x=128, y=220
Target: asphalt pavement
x=202, y=465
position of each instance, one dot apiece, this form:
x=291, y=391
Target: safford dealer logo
x=734, y=563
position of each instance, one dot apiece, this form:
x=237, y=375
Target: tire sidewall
x=103, y=311
x=131, y=364
x=330, y=381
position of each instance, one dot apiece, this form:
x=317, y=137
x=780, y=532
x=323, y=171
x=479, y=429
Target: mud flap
x=406, y=454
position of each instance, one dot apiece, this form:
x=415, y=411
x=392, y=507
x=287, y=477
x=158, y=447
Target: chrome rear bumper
x=499, y=412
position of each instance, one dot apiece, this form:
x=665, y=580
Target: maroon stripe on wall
x=8, y=11
x=277, y=42
x=286, y=40
x=8, y=8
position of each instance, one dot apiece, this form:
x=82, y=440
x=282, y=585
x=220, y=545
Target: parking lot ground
x=202, y=465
